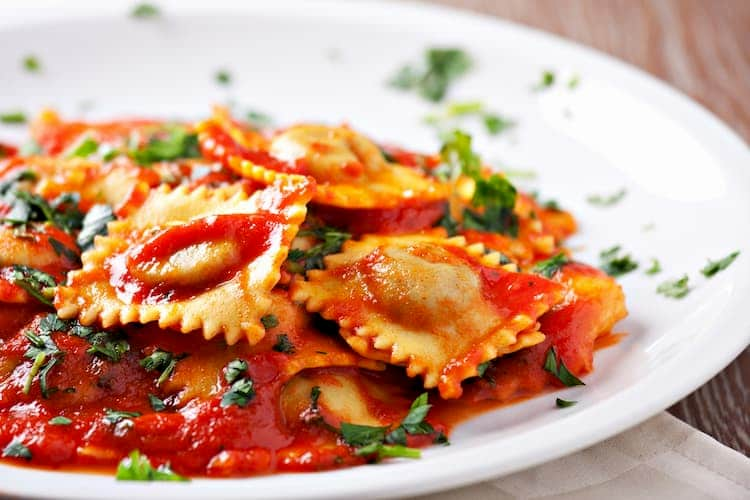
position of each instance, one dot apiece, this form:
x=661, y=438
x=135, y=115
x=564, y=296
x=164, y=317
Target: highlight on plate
x=209, y=299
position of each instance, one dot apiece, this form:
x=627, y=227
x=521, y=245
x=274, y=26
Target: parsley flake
x=675, y=289
x=548, y=268
x=145, y=11
x=283, y=344
x=607, y=200
x=564, y=403
x=234, y=370
x=440, y=68
x=558, y=369
x=715, y=266
x=161, y=361
x=171, y=143
x=546, y=81
x=31, y=64
x=223, y=77
x=331, y=241
x=36, y=283
x=269, y=321
x=94, y=223
x=16, y=449
x=137, y=467
x=614, y=263
x=59, y=420
x=13, y=118
x=113, y=417
x=655, y=267
x=156, y=403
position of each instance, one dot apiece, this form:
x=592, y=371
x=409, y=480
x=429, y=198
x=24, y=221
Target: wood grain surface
x=701, y=47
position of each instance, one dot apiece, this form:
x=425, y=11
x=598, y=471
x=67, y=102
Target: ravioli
x=436, y=306
x=204, y=259
x=351, y=172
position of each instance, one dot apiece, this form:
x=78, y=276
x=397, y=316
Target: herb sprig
x=431, y=79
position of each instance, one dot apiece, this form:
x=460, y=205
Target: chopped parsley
x=242, y=390
x=331, y=240
x=564, y=403
x=614, y=263
x=26, y=207
x=104, y=344
x=63, y=251
x=574, y=81
x=36, y=283
x=13, y=118
x=84, y=149
x=171, y=143
x=137, y=467
x=43, y=351
x=431, y=79
x=234, y=370
x=161, y=361
x=156, y=403
x=715, y=266
x=258, y=119
x=283, y=344
x=654, y=268
x=482, y=368
x=223, y=77
x=31, y=64
x=494, y=197
x=269, y=321
x=113, y=417
x=16, y=449
x=675, y=289
x=493, y=122
x=546, y=80
x=382, y=442
x=94, y=223
x=558, y=369
x=607, y=200
x=145, y=11
x=548, y=268
x=59, y=420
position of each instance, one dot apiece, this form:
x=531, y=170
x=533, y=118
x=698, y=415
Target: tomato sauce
x=248, y=235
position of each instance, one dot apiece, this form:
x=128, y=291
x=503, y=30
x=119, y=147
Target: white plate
x=686, y=173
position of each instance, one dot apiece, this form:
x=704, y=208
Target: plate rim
x=386, y=480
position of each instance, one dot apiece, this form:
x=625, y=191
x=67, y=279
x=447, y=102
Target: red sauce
x=250, y=234
x=410, y=217
x=217, y=145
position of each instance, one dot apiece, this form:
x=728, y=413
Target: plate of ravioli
x=329, y=249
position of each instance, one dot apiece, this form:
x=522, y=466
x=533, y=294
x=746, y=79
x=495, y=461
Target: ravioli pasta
x=238, y=300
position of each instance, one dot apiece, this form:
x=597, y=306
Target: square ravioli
x=205, y=260
x=434, y=305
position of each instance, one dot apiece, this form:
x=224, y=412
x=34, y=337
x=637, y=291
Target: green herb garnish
x=84, y=149
x=240, y=393
x=223, y=77
x=441, y=67
x=145, y=11
x=548, y=268
x=156, y=404
x=559, y=370
x=715, y=266
x=36, y=283
x=113, y=417
x=137, y=467
x=13, y=118
x=60, y=420
x=169, y=144
x=234, y=370
x=94, y=223
x=546, y=81
x=269, y=321
x=616, y=264
x=564, y=403
x=31, y=64
x=607, y=200
x=161, y=361
x=283, y=344
x=654, y=268
x=675, y=289
x=331, y=240
x=16, y=449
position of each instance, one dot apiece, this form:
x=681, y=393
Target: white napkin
x=663, y=458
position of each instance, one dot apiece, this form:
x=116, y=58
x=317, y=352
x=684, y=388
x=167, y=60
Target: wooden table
x=701, y=47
